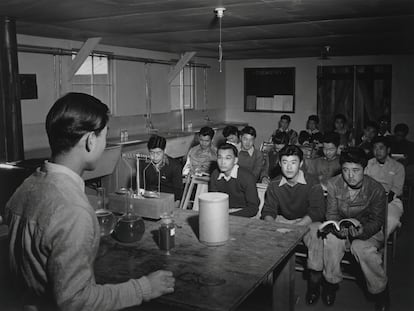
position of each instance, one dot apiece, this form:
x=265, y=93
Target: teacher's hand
x=162, y=282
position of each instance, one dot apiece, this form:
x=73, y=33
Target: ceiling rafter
x=314, y=22
x=280, y=26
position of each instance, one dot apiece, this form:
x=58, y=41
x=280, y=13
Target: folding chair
x=261, y=190
x=201, y=182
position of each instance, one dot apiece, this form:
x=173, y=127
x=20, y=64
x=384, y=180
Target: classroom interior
x=172, y=67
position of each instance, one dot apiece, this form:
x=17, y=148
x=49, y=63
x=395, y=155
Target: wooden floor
x=351, y=295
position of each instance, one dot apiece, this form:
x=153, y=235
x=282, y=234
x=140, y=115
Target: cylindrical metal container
x=213, y=218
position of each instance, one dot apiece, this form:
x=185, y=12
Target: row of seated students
x=53, y=263
x=165, y=172
x=295, y=195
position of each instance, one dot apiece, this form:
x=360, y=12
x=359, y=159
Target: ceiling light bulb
x=219, y=12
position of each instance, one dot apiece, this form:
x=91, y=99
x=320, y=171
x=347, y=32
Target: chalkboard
x=269, y=89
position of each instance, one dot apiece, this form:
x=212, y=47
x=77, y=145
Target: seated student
x=311, y=135
x=384, y=126
x=390, y=173
x=232, y=135
x=250, y=158
x=200, y=158
x=272, y=167
x=355, y=195
x=297, y=198
x=163, y=171
x=284, y=123
x=236, y=181
x=327, y=166
x=53, y=230
x=370, y=132
x=401, y=145
x=340, y=127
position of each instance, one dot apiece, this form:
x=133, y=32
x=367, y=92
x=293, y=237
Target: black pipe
x=59, y=51
x=11, y=131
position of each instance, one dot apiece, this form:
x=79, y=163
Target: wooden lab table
x=209, y=278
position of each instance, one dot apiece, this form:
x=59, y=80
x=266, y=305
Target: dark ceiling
x=251, y=28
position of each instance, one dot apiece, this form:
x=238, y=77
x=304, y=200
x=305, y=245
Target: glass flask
x=129, y=227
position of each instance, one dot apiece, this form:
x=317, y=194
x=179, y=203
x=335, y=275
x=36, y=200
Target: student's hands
x=304, y=221
x=162, y=282
x=266, y=180
x=343, y=233
x=355, y=231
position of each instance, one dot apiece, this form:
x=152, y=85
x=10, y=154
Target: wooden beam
x=180, y=65
x=82, y=55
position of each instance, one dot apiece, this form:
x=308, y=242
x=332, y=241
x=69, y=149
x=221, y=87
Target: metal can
x=166, y=233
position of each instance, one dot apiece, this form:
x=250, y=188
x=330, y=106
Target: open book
x=334, y=227
x=398, y=156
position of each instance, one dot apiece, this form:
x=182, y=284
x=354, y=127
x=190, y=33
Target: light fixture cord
x=220, y=47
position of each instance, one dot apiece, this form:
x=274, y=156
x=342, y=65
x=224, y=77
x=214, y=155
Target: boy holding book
x=355, y=195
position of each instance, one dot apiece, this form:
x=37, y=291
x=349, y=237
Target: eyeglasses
x=156, y=153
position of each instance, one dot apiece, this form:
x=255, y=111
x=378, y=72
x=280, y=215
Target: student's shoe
x=382, y=300
x=329, y=293
x=314, y=287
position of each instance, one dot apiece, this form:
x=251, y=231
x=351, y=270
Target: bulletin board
x=269, y=89
x=28, y=86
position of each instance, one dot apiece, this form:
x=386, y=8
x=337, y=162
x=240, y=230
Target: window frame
x=109, y=84
x=182, y=85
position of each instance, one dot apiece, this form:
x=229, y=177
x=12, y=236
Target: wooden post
x=180, y=65
x=284, y=285
x=11, y=132
x=82, y=55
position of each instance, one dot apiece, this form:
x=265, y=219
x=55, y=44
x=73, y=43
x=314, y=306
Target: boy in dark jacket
x=355, y=195
x=236, y=181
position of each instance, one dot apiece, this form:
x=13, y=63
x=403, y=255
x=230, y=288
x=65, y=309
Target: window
x=360, y=92
x=182, y=89
x=94, y=78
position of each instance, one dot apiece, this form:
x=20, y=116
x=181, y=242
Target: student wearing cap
x=163, y=171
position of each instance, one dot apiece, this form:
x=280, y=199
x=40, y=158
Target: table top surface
x=207, y=278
